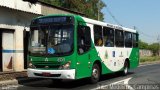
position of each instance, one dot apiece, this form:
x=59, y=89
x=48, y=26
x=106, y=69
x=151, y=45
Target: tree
x=92, y=8
x=53, y=2
x=155, y=48
x=143, y=45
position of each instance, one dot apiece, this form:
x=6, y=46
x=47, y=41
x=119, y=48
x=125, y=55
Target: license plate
x=46, y=74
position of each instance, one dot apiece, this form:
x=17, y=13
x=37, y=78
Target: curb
x=8, y=82
x=18, y=81
x=153, y=62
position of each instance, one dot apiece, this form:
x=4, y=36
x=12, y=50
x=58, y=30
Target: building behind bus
x=14, y=30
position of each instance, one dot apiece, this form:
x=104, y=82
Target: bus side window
x=135, y=40
x=98, y=41
x=128, y=39
x=119, y=38
x=84, y=39
x=108, y=35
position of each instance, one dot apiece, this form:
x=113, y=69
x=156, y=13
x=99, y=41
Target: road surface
x=144, y=77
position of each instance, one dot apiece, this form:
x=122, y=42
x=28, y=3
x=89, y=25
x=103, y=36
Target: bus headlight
x=30, y=65
x=65, y=66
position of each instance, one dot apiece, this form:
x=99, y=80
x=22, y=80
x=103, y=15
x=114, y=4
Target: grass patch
x=149, y=58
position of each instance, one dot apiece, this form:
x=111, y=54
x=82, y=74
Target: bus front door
x=83, y=65
x=83, y=55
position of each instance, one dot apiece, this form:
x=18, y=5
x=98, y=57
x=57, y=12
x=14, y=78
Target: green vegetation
x=154, y=47
x=149, y=59
x=91, y=8
x=143, y=45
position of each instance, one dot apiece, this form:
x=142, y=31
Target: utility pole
x=98, y=9
x=158, y=39
x=134, y=27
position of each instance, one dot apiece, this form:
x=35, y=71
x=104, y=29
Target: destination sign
x=113, y=26
x=55, y=19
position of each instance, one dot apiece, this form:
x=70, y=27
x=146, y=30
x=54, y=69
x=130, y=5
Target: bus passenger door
x=83, y=49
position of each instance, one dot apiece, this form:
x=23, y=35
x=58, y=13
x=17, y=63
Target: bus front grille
x=49, y=75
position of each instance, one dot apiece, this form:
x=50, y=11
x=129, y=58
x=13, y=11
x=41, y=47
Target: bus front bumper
x=54, y=74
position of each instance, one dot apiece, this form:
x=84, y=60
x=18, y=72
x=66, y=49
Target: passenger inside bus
x=81, y=40
x=99, y=42
x=108, y=42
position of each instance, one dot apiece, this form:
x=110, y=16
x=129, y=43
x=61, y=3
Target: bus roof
x=92, y=21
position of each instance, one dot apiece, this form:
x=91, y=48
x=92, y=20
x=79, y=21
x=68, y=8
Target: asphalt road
x=144, y=77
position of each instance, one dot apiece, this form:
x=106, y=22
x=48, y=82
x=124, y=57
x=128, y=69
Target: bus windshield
x=56, y=39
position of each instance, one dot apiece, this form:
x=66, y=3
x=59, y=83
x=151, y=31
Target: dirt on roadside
x=11, y=75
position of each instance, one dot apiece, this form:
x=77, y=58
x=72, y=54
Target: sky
x=143, y=14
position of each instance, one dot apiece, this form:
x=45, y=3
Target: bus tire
x=95, y=76
x=125, y=68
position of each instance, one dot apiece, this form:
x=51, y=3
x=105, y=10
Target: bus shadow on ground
x=70, y=84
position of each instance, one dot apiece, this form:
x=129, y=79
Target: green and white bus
x=74, y=47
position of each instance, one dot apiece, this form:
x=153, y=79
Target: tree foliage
x=154, y=47
x=143, y=45
x=91, y=8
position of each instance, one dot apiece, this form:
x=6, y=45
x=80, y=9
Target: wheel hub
x=125, y=70
x=95, y=73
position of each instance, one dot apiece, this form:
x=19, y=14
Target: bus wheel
x=95, y=74
x=125, y=69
